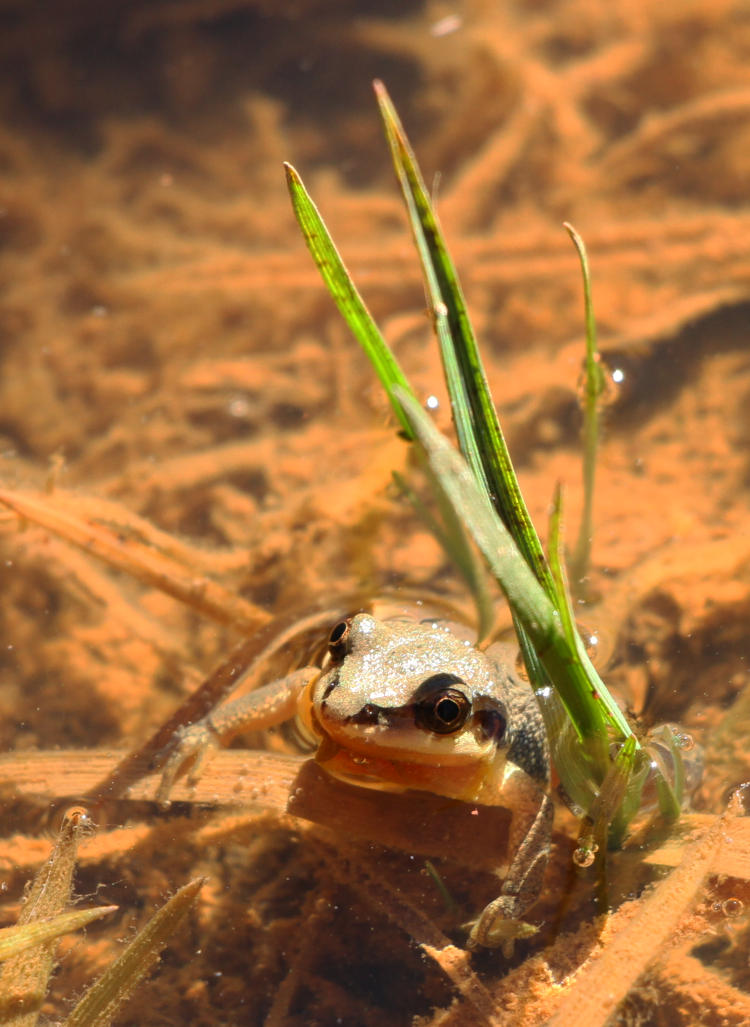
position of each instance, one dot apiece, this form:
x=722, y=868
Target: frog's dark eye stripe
x=332, y=683
x=440, y=706
x=493, y=724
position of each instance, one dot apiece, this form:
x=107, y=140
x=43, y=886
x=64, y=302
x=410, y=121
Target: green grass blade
x=557, y=567
x=344, y=292
x=526, y=596
x=593, y=389
x=564, y=606
x=480, y=437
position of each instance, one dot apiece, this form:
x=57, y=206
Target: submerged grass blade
x=14, y=940
x=557, y=568
x=344, y=292
x=23, y=983
x=594, y=387
x=528, y=599
x=101, y=1001
x=483, y=491
x=480, y=436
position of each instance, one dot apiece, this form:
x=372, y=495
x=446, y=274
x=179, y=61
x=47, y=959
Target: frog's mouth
x=464, y=775
x=399, y=775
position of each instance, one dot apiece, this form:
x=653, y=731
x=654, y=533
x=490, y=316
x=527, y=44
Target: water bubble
x=432, y=403
x=78, y=818
x=733, y=907
x=685, y=742
x=604, y=384
x=591, y=639
x=585, y=855
x=444, y=27
x=239, y=406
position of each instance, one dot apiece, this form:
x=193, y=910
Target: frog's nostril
x=493, y=724
x=369, y=714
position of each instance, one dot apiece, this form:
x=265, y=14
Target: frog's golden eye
x=338, y=639
x=445, y=708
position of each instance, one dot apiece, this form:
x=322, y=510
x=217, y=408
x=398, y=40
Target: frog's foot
x=497, y=927
x=189, y=749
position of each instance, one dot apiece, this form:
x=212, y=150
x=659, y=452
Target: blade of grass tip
x=24, y=979
x=14, y=940
x=100, y=1003
x=423, y=223
x=341, y=287
x=593, y=388
x=526, y=596
x=467, y=382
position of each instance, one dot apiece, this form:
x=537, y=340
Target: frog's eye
x=444, y=708
x=338, y=639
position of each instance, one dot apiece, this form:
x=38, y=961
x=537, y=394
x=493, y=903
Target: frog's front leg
x=500, y=923
x=265, y=707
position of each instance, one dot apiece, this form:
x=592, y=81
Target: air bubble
x=606, y=390
x=685, y=742
x=584, y=856
x=78, y=818
x=733, y=907
x=239, y=406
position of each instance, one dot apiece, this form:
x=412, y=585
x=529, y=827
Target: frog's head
x=409, y=705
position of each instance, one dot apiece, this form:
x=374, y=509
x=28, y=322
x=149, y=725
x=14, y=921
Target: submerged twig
x=144, y=563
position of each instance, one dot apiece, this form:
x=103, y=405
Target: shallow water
x=167, y=346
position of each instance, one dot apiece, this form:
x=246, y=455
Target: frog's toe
x=497, y=928
x=190, y=748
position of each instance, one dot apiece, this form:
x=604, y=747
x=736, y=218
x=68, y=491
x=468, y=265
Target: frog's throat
x=477, y=781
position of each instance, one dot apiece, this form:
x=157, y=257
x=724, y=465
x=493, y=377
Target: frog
x=403, y=705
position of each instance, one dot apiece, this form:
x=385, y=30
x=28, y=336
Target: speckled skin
x=365, y=704
x=410, y=706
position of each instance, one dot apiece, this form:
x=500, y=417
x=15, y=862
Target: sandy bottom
x=174, y=375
